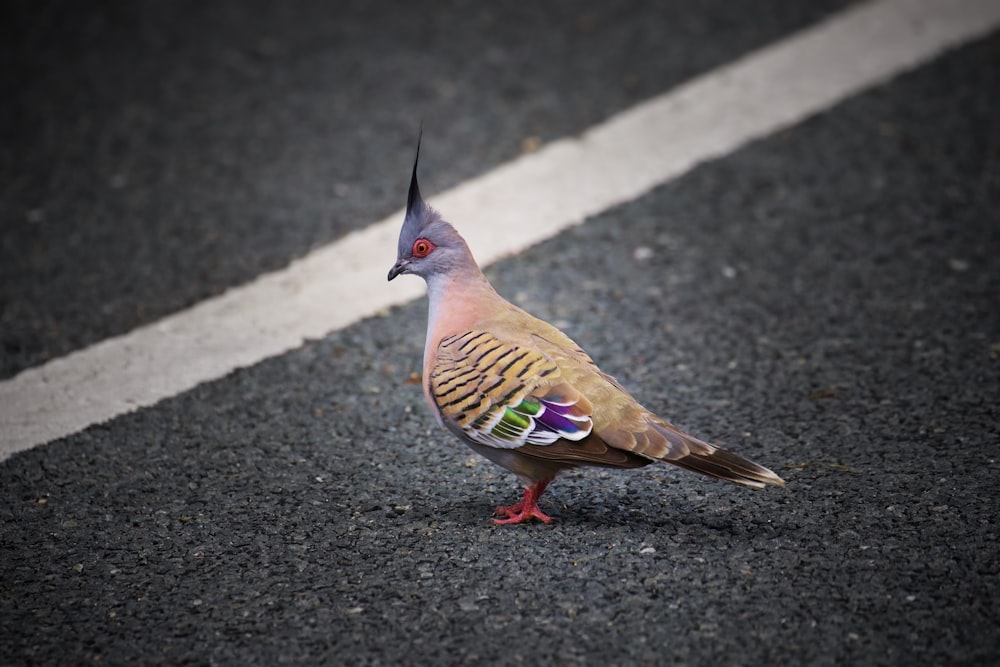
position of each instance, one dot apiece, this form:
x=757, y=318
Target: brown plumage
x=522, y=393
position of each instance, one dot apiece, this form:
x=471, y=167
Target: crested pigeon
x=520, y=392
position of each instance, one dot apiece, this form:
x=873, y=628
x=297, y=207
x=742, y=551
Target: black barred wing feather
x=504, y=395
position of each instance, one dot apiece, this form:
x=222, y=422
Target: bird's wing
x=622, y=423
x=505, y=395
x=545, y=397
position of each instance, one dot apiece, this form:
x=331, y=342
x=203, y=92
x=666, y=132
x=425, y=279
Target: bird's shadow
x=611, y=512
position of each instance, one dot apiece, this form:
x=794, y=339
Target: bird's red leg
x=527, y=509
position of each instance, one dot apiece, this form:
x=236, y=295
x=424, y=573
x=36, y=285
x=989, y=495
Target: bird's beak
x=401, y=266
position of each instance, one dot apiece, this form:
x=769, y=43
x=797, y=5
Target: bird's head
x=428, y=246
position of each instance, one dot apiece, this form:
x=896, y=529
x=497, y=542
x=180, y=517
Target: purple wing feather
x=563, y=419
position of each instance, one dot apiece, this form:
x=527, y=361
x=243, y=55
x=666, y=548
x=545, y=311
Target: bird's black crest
x=413, y=198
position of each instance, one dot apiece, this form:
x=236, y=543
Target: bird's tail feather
x=686, y=451
x=731, y=467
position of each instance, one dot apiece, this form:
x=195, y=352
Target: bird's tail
x=692, y=454
x=731, y=467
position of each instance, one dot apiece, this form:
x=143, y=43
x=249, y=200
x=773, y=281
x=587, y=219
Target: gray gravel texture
x=824, y=301
x=154, y=153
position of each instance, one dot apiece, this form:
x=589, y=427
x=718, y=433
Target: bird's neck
x=456, y=304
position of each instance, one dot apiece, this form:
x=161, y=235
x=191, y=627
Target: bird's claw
x=518, y=513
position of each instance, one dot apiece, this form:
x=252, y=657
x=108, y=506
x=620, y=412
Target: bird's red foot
x=516, y=513
x=526, y=510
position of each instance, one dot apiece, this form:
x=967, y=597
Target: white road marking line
x=503, y=212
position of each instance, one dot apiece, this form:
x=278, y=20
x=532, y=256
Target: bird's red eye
x=422, y=248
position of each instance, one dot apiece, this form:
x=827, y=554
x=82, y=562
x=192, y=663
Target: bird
x=519, y=391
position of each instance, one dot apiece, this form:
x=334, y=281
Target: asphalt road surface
x=825, y=300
